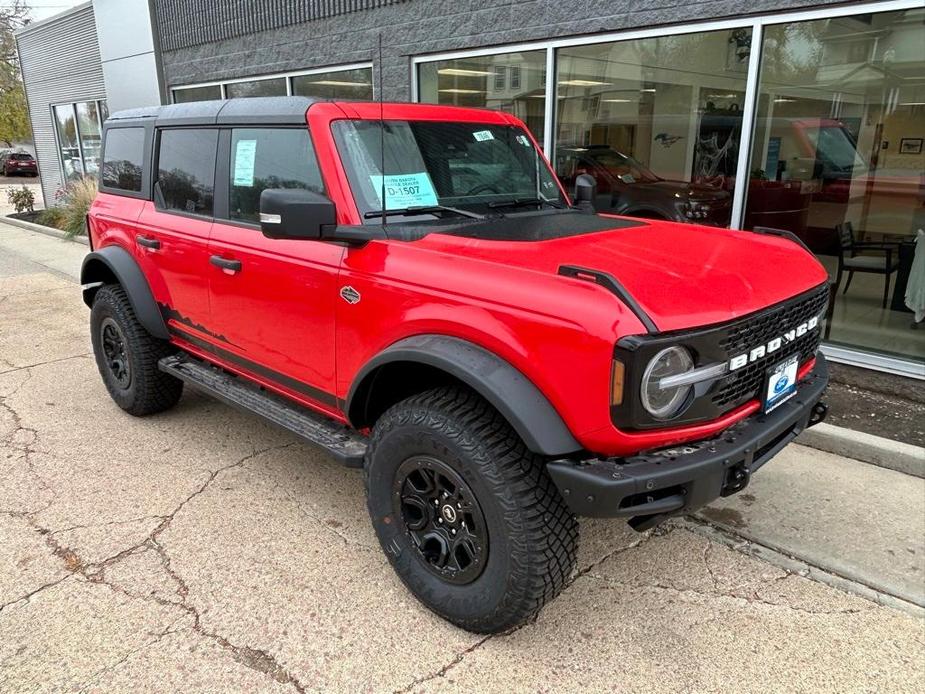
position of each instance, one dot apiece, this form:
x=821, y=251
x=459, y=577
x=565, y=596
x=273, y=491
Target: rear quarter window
x=123, y=155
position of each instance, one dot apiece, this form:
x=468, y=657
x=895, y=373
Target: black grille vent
x=745, y=383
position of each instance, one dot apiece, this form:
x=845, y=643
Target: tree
x=14, y=111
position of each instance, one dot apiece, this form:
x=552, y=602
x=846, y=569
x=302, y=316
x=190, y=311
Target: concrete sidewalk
x=202, y=550
x=855, y=520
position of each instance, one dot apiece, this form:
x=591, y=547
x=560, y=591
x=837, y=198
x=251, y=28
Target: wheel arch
x=429, y=361
x=115, y=265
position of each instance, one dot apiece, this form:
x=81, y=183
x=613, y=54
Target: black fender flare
x=114, y=261
x=518, y=400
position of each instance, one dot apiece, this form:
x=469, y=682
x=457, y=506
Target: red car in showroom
x=410, y=288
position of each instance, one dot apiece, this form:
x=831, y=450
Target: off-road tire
x=532, y=535
x=149, y=389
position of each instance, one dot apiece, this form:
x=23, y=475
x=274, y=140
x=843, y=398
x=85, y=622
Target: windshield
x=622, y=166
x=473, y=167
x=835, y=145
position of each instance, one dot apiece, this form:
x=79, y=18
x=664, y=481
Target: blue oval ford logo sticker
x=781, y=384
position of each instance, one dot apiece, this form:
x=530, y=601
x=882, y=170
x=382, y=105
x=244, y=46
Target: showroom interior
x=810, y=120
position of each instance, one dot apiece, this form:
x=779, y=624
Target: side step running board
x=343, y=443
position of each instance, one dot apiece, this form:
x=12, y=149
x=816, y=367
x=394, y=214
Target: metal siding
x=60, y=64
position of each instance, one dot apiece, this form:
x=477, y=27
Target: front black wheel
x=127, y=355
x=468, y=517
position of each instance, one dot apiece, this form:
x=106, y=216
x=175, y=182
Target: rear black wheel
x=127, y=356
x=468, y=517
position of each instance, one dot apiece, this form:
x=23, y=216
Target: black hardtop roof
x=289, y=110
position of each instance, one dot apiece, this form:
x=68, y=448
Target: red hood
x=683, y=275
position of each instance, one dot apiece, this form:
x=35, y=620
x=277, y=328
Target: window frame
x=155, y=169
x=289, y=75
x=100, y=101
x=144, y=193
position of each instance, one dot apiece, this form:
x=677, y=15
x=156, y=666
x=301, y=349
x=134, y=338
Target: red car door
x=272, y=300
x=172, y=233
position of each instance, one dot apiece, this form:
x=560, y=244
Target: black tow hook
x=737, y=479
x=818, y=415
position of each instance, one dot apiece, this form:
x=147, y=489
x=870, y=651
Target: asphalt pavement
x=203, y=550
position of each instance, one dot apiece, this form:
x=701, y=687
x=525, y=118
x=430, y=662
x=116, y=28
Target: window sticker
x=245, y=152
x=405, y=190
x=522, y=139
x=482, y=135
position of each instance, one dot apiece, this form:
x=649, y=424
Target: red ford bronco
x=410, y=288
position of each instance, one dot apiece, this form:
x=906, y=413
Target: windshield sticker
x=522, y=139
x=482, y=135
x=244, y=154
x=405, y=190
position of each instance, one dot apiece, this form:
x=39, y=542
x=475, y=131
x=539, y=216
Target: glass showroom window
x=656, y=122
x=483, y=82
x=340, y=84
x=78, y=129
x=270, y=87
x=88, y=128
x=185, y=95
x=838, y=159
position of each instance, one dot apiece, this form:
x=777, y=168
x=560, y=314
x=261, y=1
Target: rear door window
x=264, y=158
x=186, y=170
x=122, y=160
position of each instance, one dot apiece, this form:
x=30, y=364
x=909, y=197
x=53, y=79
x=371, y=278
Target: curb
x=846, y=581
x=47, y=231
x=876, y=450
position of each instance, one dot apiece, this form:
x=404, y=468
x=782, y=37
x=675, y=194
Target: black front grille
x=745, y=383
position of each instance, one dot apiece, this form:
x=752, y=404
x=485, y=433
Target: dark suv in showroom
x=627, y=187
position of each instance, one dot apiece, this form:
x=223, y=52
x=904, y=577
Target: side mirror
x=295, y=213
x=585, y=191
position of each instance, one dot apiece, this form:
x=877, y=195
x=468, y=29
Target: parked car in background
x=16, y=163
x=625, y=186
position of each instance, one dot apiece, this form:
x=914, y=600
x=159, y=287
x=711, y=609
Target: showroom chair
x=848, y=259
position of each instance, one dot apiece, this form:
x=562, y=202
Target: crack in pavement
x=27, y=449
x=253, y=658
x=459, y=657
x=453, y=663
x=28, y=595
x=753, y=599
x=13, y=368
x=121, y=661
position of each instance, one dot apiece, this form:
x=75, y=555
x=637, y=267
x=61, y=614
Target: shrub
x=51, y=217
x=22, y=199
x=74, y=203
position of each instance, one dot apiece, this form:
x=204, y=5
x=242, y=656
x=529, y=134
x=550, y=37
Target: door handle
x=225, y=263
x=147, y=242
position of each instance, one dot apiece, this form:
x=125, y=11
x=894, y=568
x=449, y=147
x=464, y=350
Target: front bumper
x=648, y=488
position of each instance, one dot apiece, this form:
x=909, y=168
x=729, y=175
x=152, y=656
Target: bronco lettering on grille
x=740, y=360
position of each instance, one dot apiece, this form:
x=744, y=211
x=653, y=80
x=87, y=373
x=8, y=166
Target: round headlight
x=664, y=403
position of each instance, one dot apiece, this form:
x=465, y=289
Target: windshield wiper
x=524, y=202
x=423, y=209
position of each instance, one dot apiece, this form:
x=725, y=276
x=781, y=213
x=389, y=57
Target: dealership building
x=807, y=116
